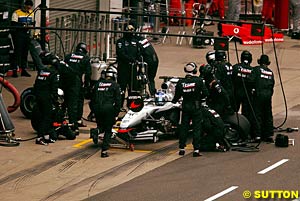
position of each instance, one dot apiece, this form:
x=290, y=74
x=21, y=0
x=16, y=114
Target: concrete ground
x=73, y=170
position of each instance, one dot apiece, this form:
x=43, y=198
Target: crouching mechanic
x=45, y=87
x=192, y=89
x=213, y=138
x=106, y=104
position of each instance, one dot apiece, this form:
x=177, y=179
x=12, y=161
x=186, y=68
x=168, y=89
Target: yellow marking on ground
x=142, y=151
x=189, y=147
x=173, y=151
x=80, y=144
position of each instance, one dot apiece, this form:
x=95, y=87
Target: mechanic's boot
x=25, y=73
x=181, y=152
x=15, y=73
x=48, y=139
x=196, y=153
x=104, y=154
x=41, y=141
x=81, y=124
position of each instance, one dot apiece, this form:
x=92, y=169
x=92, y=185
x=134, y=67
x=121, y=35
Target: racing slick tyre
x=237, y=128
x=27, y=102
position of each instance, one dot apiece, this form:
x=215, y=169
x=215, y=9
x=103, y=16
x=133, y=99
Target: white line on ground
x=264, y=171
x=228, y=190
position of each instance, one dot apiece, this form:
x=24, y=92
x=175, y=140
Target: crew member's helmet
x=264, y=59
x=246, y=57
x=210, y=56
x=111, y=72
x=49, y=58
x=220, y=55
x=129, y=28
x=81, y=47
x=160, y=98
x=190, y=68
x=129, y=31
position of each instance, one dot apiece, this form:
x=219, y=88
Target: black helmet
x=81, y=47
x=49, y=58
x=210, y=56
x=129, y=31
x=246, y=57
x=190, y=68
x=111, y=72
x=264, y=59
x=220, y=55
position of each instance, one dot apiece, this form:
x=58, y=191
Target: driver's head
x=28, y=4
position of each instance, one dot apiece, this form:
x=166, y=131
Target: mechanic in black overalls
x=192, y=89
x=45, y=88
x=243, y=86
x=224, y=74
x=106, y=104
x=218, y=98
x=74, y=87
x=264, y=82
x=151, y=58
x=128, y=51
x=213, y=138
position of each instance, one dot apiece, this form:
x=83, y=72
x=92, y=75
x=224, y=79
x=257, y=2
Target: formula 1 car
x=150, y=118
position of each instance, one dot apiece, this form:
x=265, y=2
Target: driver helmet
x=160, y=98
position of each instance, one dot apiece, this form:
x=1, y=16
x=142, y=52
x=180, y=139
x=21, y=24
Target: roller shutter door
x=70, y=4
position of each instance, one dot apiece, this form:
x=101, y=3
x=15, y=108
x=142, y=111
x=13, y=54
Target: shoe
x=221, y=148
x=41, y=141
x=49, y=141
x=196, y=153
x=81, y=124
x=104, y=154
x=181, y=152
x=15, y=73
x=268, y=140
x=24, y=73
x=91, y=117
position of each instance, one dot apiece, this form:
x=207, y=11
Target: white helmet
x=190, y=68
x=112, y=72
